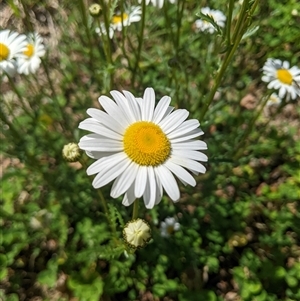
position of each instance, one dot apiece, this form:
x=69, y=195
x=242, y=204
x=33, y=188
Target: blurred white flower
x=137, y=233
x=273, y=100
x=141, y=147
x=169, y=226
x=281, y=77
x=157, y=3
x=12, y=46
x=102, y=30
x=205, y=26
x=129, y=16
x=31, y=61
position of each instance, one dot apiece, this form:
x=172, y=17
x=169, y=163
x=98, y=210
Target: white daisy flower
x=157, y=3
x=102, y=30
x=12, y=46
x=273, y=100
x=141, y=146
x=217, y=15
x=281, y=77
x=31, y=61
x=137, y=233
x=169, y=226
x=129, y=16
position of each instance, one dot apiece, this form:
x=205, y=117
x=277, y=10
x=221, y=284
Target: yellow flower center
x=170, y=229
x=146, y=144
x=29, y=50
x=118, y=18
x=285, y=76
x=4, y=52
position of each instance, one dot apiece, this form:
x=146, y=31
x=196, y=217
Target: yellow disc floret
x=29, y=50
x=118, y=18
x=146, y=144
x=4, y=52
x=285, y=76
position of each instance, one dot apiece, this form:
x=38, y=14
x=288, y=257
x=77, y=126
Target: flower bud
x=71, y=152
x=95, y=10
x=137, y=233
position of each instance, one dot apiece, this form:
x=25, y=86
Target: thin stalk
x=15, y=89
x=242, y=145
x=14, y=131
x=140, y=41
x=178, y=19
x=107, y=14
x=135, y=211
x=169, y=23
x=228, y=24
x=238, y=34
x=87, y=31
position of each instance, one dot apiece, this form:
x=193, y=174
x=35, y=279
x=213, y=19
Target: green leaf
x=210, y=20
x=250, y=31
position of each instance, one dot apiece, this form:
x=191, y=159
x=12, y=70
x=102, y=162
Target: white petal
x=181, y=173
x=113, y=110
x=140, y=181
x=129, y=196
x=189, y=136
x=190, y=145
x=150, y=191
x=188, y=163
x=168, y=182
x=124, y=181
x=161, y=109
x=190, y=154
x=135, y=108
x=122, y=102
x=147, y=105
x=110, y=171
x=101, y=145
x=184, y=128
x=172, y=121
x=92, y=125
x=106, y=119
x=102, y=163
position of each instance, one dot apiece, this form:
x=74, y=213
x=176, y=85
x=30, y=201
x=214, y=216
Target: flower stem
x=241, y=27
x=242, y=145
x=135, y=211
x=140, y=40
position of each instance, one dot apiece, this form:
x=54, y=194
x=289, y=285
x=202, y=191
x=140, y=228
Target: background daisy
x=129, y=16
x=205, y=26
x=281, y=77
x=158, y=3
x=31, y=61
x=169, y=226
x=12, y=46
x=142, y=147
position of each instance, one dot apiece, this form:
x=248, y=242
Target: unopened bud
x=71, y=152
x=137, y=233
x=95, y=10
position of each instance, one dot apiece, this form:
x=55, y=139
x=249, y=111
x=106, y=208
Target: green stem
x=87, y=31
x=24, y=105
x=140, y=41
x=14, y=131
x=179, y=19
x=237, y=36
x=135, y=211
x=242, y=145
x=107, y=14
x=228, y=24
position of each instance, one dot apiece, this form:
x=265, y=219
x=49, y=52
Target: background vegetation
x=240, y=226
